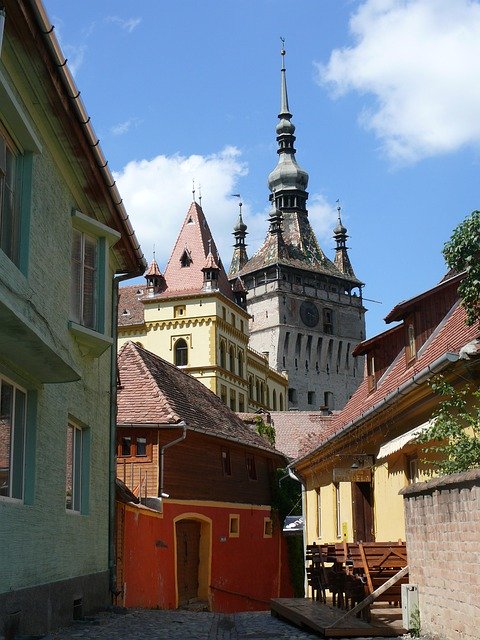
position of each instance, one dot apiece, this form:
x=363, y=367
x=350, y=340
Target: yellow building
x=193, y=317
x=353, y=476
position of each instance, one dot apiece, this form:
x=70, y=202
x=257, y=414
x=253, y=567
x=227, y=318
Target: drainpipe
x=112, y=458
x=162, y=459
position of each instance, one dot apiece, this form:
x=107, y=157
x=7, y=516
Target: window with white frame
x=76, y=468
x=12, y=439
x=89, y=280
x=10, y=169
x=85, y=290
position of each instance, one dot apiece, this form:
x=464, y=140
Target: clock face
x=309, y=314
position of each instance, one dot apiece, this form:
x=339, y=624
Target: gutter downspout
x=112, y=458
x=162, y=459
x=301, y=480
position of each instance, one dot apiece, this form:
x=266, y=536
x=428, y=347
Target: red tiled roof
x=293, y=428
x=130, y=307
x=153, y=269
x=153, y=391
x=448, y=338
x=194, y=237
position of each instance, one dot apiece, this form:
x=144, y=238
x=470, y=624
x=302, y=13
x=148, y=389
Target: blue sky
x=385, y=96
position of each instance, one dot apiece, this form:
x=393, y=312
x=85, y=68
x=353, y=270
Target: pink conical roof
x=183, y=273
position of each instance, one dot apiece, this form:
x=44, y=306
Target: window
x=76, y=487
x=281, y=402
x=311, y=397
x=241, y=402
x=231, y=357
x=234, y=526
x=412, y=469
x=411, y=344
x=88, y=305
x=371, y=372
x=233, y=400
x=292, y=397
x=135, y=446
x=328, y=399
x=226, y=466
x=10, y=169
x=250, y=463
x=12, y=439
x=338, y=518
x=327, y=321
x=223, y=393
x=223, y=357
x=84, y=279
x=267, y=528
x=240, y=363
x=319, y=512
x=181, y=353
x=179, y=311
x=274, y=396
x=186, y=258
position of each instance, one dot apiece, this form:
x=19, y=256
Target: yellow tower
x=194, y=318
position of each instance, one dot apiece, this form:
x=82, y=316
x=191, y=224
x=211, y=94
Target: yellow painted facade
x=214, y=335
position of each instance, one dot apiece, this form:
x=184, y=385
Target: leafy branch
x=462, y=253
x=455, y=428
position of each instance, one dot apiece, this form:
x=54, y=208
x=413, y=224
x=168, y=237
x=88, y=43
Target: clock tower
x=306, y=311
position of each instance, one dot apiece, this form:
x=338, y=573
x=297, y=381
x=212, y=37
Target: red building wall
x=238, y=573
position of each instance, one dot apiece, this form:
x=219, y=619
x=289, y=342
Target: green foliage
x=265, y=430
x=415, y=627
x=455, y=428
x=287, y=500
x=462, y=253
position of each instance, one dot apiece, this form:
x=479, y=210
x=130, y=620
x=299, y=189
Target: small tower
x=155, y=279
x=342, y=261
x=240, y=292
x=210, y=271
x=240, y=257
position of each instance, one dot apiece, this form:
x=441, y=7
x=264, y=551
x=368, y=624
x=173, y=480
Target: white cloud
x=123, y=127
x=323, y=218
x=421, y=61
x=129, y=24
x=158, y=192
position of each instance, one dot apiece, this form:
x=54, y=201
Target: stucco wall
x=443, y=540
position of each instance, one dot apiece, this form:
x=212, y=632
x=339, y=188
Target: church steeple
x=288, y=181
x=240, y=257
x=342, y=261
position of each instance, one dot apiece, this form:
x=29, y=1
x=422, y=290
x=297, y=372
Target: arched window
x=181, y=353
x=274, y=400
x=222, y=355
x=231, y=355
x=240, y=364
x=281, y=402
x=250, y=387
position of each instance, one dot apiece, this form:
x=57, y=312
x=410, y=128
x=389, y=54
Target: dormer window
x=372, y=383
x=411, y=346
x=186, y=259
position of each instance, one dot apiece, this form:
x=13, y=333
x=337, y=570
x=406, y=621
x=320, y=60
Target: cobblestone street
x=183, y=625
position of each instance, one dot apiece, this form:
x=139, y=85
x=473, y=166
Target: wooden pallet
x=325, y=619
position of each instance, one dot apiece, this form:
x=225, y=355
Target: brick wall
x=443, y=538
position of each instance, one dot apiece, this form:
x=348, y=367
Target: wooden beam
x=365, y=567
x=373, y=596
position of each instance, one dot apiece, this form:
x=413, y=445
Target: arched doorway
x=193, y=559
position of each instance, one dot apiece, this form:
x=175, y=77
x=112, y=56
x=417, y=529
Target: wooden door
x=188, y=559
x=362, y=502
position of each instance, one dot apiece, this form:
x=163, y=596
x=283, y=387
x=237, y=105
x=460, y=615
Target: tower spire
x=288, y=180
x=239, y=258
x=342, y=261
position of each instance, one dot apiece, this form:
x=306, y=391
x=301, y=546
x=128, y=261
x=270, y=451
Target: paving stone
x=138, y=624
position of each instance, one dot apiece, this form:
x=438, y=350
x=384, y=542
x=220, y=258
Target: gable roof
x=194, y=241
x=444, y=347
x=156, y=393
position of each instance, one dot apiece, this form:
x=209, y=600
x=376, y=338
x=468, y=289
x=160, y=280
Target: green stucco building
x=65, y=242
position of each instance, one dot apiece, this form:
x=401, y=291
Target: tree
x=455, y=428
x=462, y=253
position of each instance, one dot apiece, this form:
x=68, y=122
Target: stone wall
x=443, y=538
